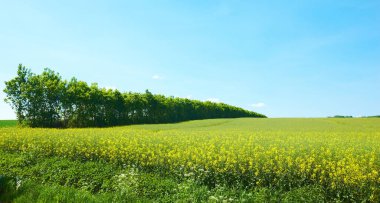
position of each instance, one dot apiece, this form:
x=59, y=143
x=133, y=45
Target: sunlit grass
x=339, y=155
x=8, y=123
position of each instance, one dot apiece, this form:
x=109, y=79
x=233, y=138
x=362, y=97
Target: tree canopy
x=46, y=100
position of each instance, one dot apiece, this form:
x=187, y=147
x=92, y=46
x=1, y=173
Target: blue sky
x=281, y=58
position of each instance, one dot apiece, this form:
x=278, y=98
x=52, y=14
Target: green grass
x=269, y=124
x=34, y=179
x=296, y=160
x=8, y=123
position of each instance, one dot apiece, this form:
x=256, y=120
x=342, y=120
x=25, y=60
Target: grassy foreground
x=233, y=160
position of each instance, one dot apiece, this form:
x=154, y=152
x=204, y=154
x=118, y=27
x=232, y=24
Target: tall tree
x=15, y=92
x=46, y=100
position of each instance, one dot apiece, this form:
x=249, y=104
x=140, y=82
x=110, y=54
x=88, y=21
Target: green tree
x=43, y=95
x=46, y=100
x=15, y=92
x=76, y=103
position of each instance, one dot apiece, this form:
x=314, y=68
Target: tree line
x=46, y=100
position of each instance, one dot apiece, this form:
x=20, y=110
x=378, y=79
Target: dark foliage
x=46, y=100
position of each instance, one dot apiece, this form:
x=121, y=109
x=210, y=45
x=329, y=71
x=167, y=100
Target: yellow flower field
x=341, y=155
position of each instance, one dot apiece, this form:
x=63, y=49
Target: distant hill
x=378, y=116
x=340, y=116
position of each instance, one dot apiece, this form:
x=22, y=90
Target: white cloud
x=157, y=77
x=215, y=100
x=258, y=105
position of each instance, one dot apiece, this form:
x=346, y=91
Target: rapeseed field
x=339, y=156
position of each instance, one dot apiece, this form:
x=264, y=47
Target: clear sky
x=312, y=58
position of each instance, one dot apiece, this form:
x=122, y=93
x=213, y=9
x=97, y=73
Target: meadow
x=8, y=123
x=217, y=160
